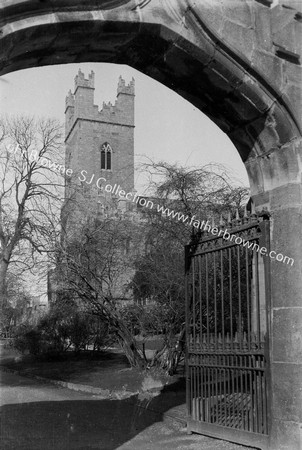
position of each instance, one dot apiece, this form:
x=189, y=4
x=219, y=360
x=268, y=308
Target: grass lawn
x=107, y=370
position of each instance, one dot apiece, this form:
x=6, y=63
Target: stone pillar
x=286, y=348
x=285, y=204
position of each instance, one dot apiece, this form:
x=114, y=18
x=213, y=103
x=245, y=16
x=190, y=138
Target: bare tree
x=94, y=267
x=30, y=196
x=204, y=193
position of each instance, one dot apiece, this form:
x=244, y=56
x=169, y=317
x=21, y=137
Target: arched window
x=106, y=152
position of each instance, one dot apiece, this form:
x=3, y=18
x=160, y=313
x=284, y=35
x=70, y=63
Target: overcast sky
x=167, y=126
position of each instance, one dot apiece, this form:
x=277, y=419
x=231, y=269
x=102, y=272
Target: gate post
x=285, y=204
x=286, y=363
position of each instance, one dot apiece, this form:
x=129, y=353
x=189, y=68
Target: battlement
x=109, y=112
x=80, y=104
x=122, y=88
x=81, y=81
x=69, y=100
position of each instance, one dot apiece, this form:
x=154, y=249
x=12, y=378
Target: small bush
x=58, y=331
x=28, y=341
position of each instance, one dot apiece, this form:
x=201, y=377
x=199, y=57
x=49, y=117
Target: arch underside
x=202, y=69
x=215, y=83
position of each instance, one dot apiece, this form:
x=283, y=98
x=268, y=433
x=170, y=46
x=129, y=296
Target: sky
x=167, y=126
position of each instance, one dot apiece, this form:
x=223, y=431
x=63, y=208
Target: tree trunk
x=132, y=353
x=130, y=347
x=125, y=338
x=3, y=293
x=169, y=356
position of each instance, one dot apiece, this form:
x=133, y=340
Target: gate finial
x=253, y=212
x=245, y=219
x=221, y=221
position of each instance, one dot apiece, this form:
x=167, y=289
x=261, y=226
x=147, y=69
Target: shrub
x=57, y=331
x=28, y=340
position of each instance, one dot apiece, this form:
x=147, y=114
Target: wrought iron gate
x=227, y=330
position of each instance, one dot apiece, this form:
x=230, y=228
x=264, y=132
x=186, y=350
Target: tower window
x=106, y=152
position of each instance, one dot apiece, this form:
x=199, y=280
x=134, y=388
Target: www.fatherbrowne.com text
x=143, y=201
x=205, y=226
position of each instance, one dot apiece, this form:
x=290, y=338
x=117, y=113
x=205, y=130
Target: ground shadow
x=81, y=424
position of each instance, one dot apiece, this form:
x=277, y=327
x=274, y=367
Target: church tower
x=99, y=141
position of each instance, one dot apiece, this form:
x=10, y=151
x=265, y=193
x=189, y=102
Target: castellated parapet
x=80, y=104
x=80, y=80
x=122, y=88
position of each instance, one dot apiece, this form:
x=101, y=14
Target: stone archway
x=240, y=63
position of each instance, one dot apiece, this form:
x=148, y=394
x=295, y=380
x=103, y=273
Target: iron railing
x=227, y=331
